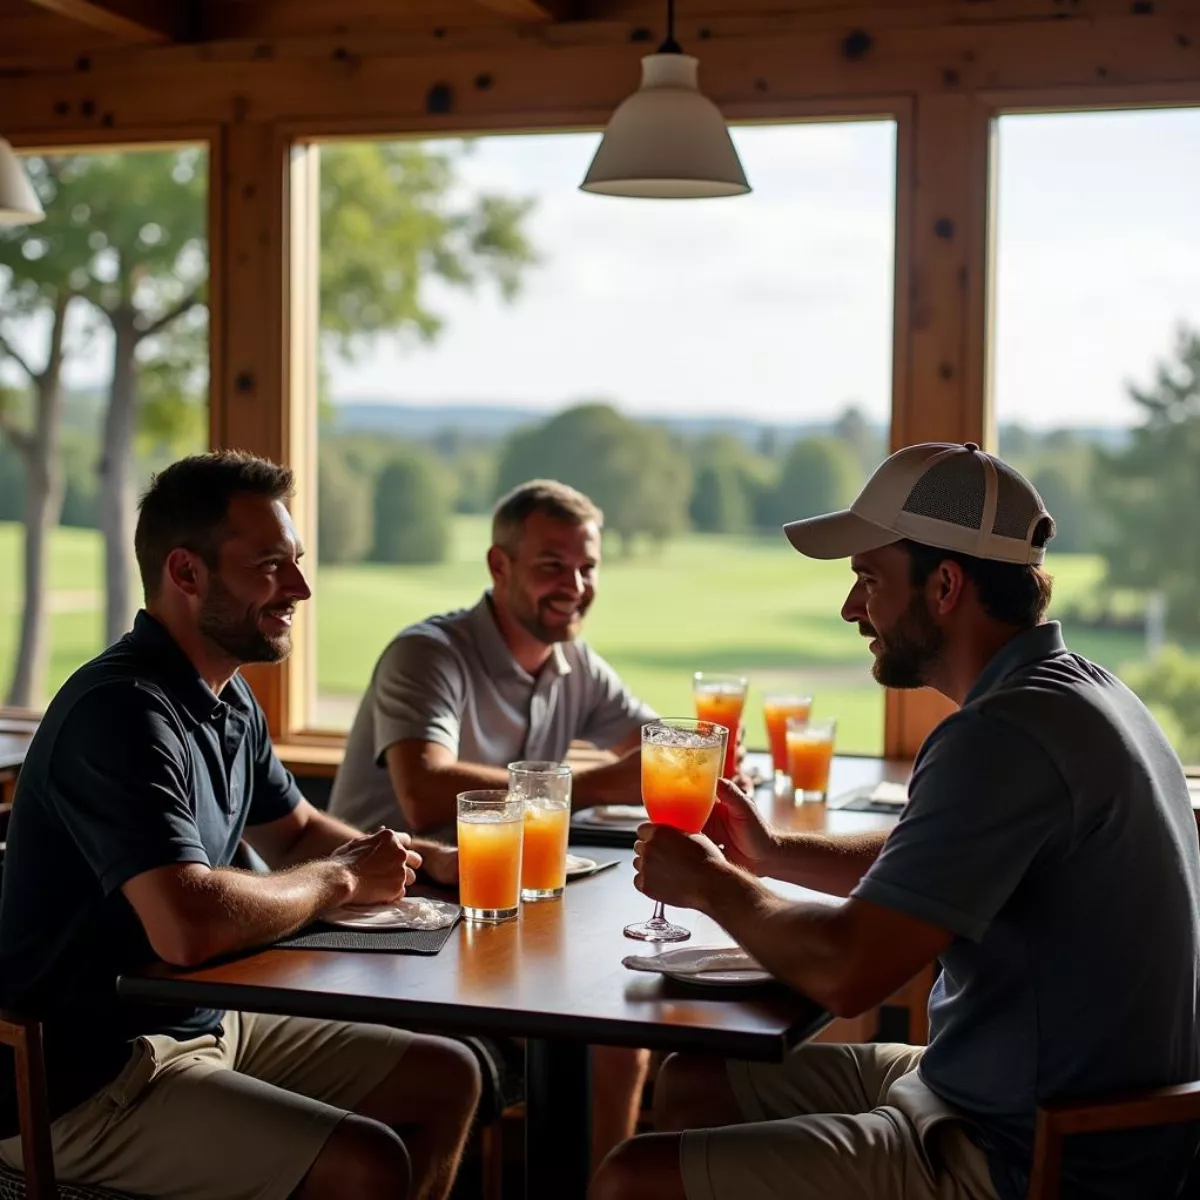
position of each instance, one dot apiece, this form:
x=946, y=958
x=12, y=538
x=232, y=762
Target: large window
x=484, y=322
x=103, y=378
x=1097, y=382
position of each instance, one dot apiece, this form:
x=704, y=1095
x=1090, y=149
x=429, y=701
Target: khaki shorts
x=836, y=1123
x=241, y=1116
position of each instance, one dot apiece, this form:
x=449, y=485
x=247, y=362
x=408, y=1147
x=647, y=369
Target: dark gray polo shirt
x=1049, y=828
x=453, y=680
x=136, y=765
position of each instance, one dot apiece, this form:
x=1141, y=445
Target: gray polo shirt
x=1049, y=828
x=453, y=680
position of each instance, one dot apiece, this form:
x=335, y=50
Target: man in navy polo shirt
x=149, y=767
x=1046, y=859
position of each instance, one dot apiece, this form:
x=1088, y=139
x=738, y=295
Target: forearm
x=616, y=782
x=320, y=837
x=225, y=910
x=801, y=943
x=826, y=863
x=431, y=801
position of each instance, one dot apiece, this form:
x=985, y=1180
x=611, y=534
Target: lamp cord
x=670, y=46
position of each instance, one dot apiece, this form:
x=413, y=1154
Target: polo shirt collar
x=1029, y=646
x=175, y=670
x=494, y=649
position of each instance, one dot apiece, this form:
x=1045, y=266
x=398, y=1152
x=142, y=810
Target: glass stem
x=660, y=914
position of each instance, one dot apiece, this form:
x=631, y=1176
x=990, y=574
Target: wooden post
x=943, y=308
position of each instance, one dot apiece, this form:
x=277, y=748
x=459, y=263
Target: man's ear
x=950, y=586
x=186, y=571
x=498, y=564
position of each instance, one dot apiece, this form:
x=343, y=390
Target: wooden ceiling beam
x=536, y=10
x=145, y=21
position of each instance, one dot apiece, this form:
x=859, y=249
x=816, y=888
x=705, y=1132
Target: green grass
x=748, y=605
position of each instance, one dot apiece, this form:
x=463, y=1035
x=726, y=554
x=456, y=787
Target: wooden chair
x=1138, y=1110
x=24, y=1036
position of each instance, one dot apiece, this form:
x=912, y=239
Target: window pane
x=1098, y=382
x=705, y=370
x=116, y=274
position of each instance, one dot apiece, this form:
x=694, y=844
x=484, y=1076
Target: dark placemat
x=859, y=800
x=391, y=941
x=620, y=837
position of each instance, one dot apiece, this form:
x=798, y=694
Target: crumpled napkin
x=413, y=912
x=727, y=958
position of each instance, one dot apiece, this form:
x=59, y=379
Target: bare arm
x=427, y=777
x=304, y=834
x=826, y=863
x=832, y=863
x=848, y=955
x=192, y=913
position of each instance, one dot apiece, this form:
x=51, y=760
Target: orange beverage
x=544, y=853
x=777, y=711
x=720, y=699
x=679, y=784
x=491, y=830
x=810, y=755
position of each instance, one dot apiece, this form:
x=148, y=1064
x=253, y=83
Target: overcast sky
x=778, y=304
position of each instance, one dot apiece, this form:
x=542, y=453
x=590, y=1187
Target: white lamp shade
x=667, y=141
x=19, y=204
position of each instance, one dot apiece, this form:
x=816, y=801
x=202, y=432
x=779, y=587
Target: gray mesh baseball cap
x=951, y=496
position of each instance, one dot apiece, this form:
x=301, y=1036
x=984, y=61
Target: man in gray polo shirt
x=454, y=699
x=1047, y=859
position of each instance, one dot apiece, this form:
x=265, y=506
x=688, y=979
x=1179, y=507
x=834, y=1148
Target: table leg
x=558, y=1119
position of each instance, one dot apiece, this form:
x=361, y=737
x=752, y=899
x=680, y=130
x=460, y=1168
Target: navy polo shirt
x=137, y=764
x=1049, y=828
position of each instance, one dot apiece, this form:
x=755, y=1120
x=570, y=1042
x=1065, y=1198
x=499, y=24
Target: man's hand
x=381, y=866
x=737, y=827
x=675, y=867
x=440, y=862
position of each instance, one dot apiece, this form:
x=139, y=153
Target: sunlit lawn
x=704, y=602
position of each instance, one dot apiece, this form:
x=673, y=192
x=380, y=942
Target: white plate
x=611, y=814
x=414, y=913
x=704, y=966
x=579, y=866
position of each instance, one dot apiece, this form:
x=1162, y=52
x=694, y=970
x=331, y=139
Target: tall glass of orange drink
x=491, y=827
x=681, y=763
x=778, y=709
x=545, y=788
x=721, y=698
x=810, y=755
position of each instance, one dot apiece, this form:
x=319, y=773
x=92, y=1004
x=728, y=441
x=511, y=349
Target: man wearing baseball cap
x=1046, y=859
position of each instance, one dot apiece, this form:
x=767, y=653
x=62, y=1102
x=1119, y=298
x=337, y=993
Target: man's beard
x=533, y=622
x=235, y=630
x=909, y=649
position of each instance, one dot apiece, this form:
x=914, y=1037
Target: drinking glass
x=491, y=825
x=778, y=709
x=681, y=763
x=721, y=698
x=810, y=754
x=545, y=789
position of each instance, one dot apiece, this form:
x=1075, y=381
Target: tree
x=412, y=516
x=868, y=443
x=392, y=223
x=818, y=475
x=1170, y=686
x=729, y=478
x=125, y=233
x=1151, y=491
x=345, y=509
x=632, y=470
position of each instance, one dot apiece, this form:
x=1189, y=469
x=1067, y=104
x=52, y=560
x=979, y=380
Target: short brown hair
x=546, y=496
x=1009, y=592
x=186, y=504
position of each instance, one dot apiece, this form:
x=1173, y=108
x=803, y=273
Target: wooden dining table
x=554, y=977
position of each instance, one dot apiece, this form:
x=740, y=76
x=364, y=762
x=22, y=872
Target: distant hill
x=422, y=421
